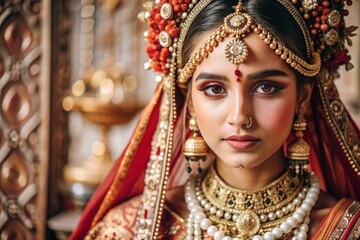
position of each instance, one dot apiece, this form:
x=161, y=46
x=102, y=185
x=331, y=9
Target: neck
x=252, y=178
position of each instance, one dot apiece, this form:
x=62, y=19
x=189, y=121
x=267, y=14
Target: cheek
x=276, y=116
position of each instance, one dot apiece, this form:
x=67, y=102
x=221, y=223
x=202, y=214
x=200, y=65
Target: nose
x=239, y=106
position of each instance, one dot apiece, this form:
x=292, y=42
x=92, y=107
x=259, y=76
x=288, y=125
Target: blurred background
x=72, y=86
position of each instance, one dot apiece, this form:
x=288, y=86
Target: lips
x=241, y=143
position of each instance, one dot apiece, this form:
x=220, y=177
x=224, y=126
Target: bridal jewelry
x=249, y=123
x=298, y=151
x=195, y=147
x=278, y=210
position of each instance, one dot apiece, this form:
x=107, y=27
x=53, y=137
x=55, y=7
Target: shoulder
x=118, y=223
x=336, y=219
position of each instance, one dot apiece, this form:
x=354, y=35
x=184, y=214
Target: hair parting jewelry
x=237, y=25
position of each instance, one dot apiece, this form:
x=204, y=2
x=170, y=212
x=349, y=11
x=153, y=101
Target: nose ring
x=249, y=123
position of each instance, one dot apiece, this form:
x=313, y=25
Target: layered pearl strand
x=297, y=223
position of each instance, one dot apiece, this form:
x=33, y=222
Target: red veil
x=331, y=134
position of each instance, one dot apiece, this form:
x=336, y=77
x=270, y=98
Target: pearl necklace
x=297, y=223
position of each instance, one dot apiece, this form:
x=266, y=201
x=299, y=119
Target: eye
x=267, y=88
x=213, y=90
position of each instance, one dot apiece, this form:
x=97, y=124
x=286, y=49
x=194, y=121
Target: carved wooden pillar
x=20, y=53
x=32, y=79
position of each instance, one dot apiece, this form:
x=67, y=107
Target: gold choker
x=244, y=213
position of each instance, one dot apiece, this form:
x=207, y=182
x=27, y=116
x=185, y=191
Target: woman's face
x=266, y=92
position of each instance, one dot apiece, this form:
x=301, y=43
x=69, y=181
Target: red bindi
x=238, y=74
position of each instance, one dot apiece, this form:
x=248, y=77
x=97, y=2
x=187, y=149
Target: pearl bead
x=311, y=194
x=234, y=217
x=269, y=236
x=279, y=213
x=296, y=231
x=212, y=230
x=302, y=235
x=257, y=237
x=301, y=195
x=207, y=206
x=199, y=216
x=300, y=211
x=292, y=221
x=310, y=200
x=297, y=201
x=227, y=215
x=219, y=213
x=299, y=217
x=192, y=203
x=290, y=207
x=263, y=218
x=285, y=210
x=285, y=227
x=195, y=209
x=271, y=216
x=203, y=202
x=205, y=223
x=307, y=220
x=213, y=210
x=278, y=232
x=306, y=206
x=294, y=238
x=219, y=235
x=226, y=238
x=304, y=227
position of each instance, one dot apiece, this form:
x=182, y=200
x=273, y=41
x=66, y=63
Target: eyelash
x=209, y=87
x=275, y=88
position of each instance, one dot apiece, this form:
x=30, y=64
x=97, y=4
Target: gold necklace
x=243, y=213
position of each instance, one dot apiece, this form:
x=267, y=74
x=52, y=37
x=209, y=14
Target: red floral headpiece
x=324, y=20
x=326, y=24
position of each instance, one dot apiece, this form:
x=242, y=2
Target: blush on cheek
x=277, y=117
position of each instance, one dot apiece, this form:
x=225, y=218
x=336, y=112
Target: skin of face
x=266, y=92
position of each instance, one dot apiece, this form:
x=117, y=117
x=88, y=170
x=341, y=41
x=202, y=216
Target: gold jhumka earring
x=298, y=151
x=195, y=147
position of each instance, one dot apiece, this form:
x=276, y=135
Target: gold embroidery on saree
x=345, y=220
x=124, y=166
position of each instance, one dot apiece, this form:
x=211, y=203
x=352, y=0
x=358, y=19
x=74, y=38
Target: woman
x=241, y=75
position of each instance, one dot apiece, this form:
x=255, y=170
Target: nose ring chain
x=249, y=123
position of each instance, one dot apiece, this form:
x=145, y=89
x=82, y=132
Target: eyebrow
x=211, y=76
x=253, y=76
x=267, y=73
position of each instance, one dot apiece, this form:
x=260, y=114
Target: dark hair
x=269, y=13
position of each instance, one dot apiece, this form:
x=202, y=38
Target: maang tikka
x=298, y=151
x=237, y=25
x=195, y=147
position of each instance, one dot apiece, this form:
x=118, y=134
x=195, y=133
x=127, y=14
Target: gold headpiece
x=321, y=22
x=237, y=25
